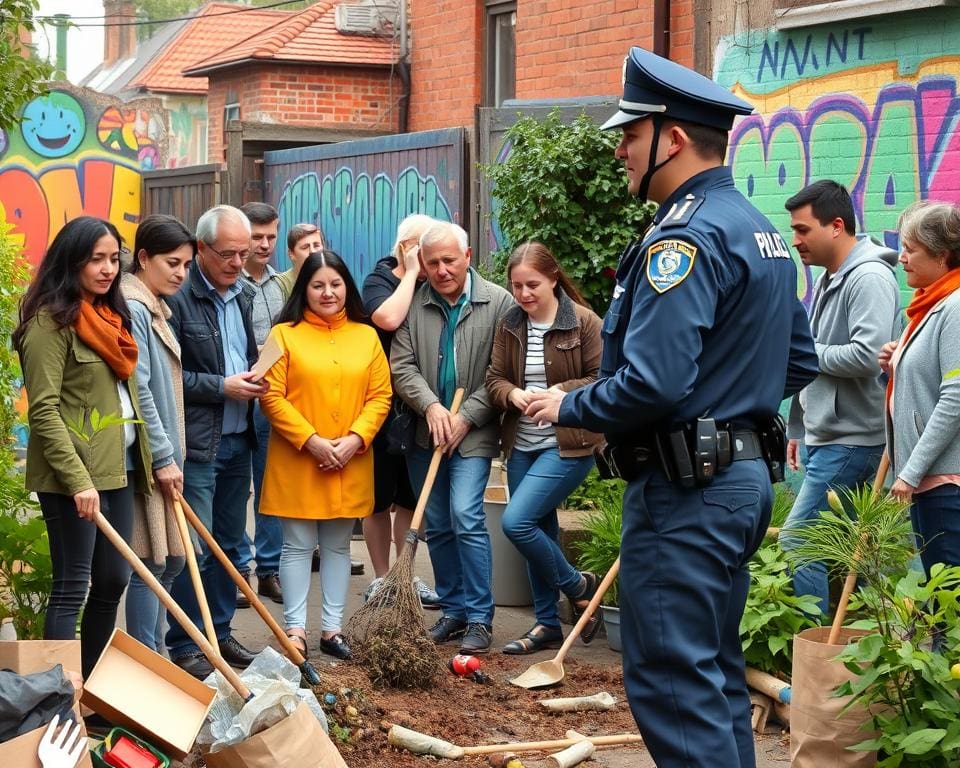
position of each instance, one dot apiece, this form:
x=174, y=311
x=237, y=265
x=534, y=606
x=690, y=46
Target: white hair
x=411, y=227
x=441, y=231
x=208, y=225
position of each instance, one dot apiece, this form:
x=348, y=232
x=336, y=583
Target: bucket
x=611, y=620
x=511, y=585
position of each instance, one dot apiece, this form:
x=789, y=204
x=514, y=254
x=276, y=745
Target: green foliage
x=98, y=423
x=23, y=76
x=593, y=491
x=561, y=185
x=26, y=574
x=907, y=686
x=14, y=275
x=783, y=499
x=601, y=547
x=773, y=614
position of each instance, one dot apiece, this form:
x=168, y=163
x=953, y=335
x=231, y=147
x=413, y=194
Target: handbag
x=402, y=428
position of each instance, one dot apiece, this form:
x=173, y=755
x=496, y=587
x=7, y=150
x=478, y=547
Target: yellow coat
x=333, y=379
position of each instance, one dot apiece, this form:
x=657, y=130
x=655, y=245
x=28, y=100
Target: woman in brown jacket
x=550, y=339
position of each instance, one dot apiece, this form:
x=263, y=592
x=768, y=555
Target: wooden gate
x=182, y=192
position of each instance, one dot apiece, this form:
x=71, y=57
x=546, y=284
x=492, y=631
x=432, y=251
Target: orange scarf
x=925, y=299
x=101, y=329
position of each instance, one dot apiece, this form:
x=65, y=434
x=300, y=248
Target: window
x=231, y=110
x=789, y=14
x=500, y=52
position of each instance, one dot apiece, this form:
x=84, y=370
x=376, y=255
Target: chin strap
x=652, y=165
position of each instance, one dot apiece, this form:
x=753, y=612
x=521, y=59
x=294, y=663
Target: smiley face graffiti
x=54, y=125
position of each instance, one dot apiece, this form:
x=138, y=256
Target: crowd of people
x=141, y=390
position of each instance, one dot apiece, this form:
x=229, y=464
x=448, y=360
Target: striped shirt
x=530, y=437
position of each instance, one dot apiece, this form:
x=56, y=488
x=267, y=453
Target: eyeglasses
x=229, y=255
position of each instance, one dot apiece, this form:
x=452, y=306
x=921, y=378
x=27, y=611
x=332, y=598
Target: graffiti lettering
x=358, y=215
x=798, y=56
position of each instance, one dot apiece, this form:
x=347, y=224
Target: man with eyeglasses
x=211, y=316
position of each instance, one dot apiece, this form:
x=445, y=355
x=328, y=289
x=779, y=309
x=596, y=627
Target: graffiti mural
x=188, y=130
x=77, y=152
x=872, y=104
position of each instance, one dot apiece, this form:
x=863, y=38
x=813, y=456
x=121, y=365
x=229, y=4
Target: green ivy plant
x=561, y=185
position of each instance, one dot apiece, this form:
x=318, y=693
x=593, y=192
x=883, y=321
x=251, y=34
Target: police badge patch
x=668, y=263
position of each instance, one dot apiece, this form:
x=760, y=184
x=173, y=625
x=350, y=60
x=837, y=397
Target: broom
x=387, y=631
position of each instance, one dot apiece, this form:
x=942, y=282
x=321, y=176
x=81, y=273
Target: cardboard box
x=139, y=689
x=297, y=741
x=21, y=752
x=26, y=657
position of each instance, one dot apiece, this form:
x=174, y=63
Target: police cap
x=653, y=84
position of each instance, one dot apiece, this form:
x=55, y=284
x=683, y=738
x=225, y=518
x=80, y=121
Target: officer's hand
x=438, y=422
x=793, y=454
x=544, y=407
x=886, y=354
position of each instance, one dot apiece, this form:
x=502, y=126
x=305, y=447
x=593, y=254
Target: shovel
x=293, y=653
x=210, y=651
x=550, y=672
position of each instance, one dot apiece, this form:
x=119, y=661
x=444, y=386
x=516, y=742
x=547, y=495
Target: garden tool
x=550, y=672
x=851, y=580
x=208, y=650
x=63, y=749
x=194, y=569
x=309, y=673
x=422, y=744
x=394, y=609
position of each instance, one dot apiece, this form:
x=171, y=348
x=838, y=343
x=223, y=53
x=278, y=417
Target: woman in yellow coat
x=329, y=393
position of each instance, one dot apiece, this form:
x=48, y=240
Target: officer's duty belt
x=687, y=457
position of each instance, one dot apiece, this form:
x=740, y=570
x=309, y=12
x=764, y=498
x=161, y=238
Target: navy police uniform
x=704, y=324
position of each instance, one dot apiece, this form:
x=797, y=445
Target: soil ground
x=468, y=713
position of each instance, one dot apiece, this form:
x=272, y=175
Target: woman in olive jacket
x=550, y=339
x=86, y=452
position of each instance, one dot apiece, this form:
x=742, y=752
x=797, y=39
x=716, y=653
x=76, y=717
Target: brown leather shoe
x=242, y=601
x=269, y=586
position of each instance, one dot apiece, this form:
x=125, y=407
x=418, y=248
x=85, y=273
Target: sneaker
x=428, y=598
x=371, y=590
x=447, y=629
x=477, y=639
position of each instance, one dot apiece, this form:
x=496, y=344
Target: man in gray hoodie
x=836, y=422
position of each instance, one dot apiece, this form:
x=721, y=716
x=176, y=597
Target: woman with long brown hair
x=550, y=339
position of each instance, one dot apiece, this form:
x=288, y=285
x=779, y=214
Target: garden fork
x=65, y=749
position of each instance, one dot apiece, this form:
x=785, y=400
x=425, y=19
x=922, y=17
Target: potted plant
x=600, y=547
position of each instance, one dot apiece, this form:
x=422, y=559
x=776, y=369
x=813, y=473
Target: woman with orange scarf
x=923, y=393
x=87, y=450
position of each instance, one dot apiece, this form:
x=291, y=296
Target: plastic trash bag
x=274, y=682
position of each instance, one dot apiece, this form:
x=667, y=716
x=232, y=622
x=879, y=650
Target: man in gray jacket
x=836, y=422
x=445, y=343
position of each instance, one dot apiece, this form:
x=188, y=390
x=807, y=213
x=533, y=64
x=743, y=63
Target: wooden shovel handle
x=170, y=604
x=194, y=572
x=543, y=746
x=293, y=653
x=851, y=581
x=588, y=611
x=432, y=470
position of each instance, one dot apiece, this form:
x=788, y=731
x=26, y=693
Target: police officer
x=703, y=339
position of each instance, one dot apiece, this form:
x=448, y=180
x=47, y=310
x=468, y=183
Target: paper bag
x=297, y=741
x=819, y=733
x=22, y=751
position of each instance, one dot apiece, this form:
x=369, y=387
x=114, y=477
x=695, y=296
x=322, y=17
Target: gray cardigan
x=922, y=436
x=414, y=361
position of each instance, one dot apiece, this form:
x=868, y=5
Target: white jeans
x=300, y=538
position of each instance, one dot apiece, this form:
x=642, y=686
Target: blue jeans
x=539, y=482
x=146, y=620
x=825, y=466
x=268, y=534
x=936, y=521
x=218, y=492
x=457, y=534
x=683, y=584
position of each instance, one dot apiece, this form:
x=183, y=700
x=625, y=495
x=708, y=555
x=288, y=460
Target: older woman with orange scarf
x=923, y=394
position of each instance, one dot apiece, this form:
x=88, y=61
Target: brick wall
x=334, y=97
x=565, y=48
